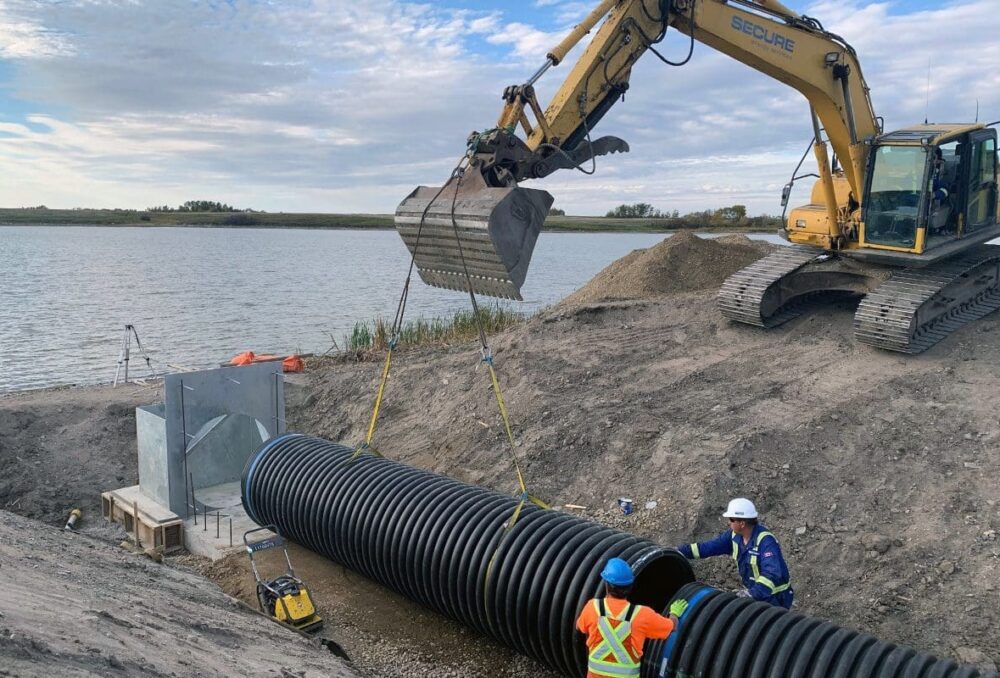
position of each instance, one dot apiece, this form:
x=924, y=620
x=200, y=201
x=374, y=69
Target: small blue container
x=625, y=505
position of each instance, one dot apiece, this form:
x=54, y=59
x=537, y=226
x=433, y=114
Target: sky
x=346, y=105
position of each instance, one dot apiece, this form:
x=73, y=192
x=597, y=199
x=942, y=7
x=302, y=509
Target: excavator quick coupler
x=473, y=234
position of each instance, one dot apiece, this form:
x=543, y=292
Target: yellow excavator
x=901, y=218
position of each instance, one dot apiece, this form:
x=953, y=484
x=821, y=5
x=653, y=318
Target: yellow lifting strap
x=397, y=328
x=525, y=495
x=366, y=446
x=378, y=398
x=488, y=359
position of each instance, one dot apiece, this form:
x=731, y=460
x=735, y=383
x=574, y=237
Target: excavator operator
x=940, y=189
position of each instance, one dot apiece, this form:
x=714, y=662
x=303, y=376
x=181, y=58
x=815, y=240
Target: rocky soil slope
x=81, y=607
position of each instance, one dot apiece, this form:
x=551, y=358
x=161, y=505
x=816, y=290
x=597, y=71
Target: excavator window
x=982, y=182
x=895, y=195
x=943, y=205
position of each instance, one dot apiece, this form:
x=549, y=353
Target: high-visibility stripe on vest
x=610, y=657
x=757, y=576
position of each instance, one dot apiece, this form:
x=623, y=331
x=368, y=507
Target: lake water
x=197, y=296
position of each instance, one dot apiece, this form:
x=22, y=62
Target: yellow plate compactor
x=284, y=597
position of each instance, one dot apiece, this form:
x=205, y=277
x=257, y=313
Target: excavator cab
x=931, y=186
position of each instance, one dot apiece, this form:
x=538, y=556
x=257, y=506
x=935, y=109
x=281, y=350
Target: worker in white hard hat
x=756, y=553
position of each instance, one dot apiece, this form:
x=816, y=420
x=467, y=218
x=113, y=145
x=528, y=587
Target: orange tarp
x=292, y=363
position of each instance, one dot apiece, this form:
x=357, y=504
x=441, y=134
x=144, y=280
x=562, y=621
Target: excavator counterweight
x=467, y=233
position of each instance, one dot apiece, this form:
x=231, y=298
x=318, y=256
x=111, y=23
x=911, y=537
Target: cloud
x=343, y=106
x=22, y=37
x=286, y=100
x=526, y=41
x=568, y=12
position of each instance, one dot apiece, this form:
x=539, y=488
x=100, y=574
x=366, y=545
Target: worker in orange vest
x=616, y=629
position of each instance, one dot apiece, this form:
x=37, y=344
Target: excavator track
x=753, y=295
x=917, y=308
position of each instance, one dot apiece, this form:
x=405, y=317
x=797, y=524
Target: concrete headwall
x=218, y=418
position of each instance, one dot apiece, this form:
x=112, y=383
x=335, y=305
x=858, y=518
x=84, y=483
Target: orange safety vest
x=613, y=656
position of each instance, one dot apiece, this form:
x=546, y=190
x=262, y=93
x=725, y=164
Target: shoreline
x=553, y=228
x=328, y=221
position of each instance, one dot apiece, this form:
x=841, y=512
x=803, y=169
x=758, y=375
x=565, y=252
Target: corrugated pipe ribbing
x=722, y=635
x=443, y=544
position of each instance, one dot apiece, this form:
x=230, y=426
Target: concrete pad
x=212, y=538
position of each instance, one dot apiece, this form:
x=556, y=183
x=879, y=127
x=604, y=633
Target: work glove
x=742, y=593
x=678, y=607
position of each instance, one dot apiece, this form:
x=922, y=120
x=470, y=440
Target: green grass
x=87, y=217
x=374, y=335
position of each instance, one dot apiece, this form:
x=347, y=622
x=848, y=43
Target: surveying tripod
x=123, y=355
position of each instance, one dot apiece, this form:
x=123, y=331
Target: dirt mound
x=681, y=263
x=736, y=239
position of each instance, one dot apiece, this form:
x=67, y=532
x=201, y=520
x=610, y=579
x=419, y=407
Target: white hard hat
x=740, y=508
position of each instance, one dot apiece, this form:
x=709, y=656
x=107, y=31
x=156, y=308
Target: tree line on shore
x=733, y=216
x=638, y=217
x=199, y=206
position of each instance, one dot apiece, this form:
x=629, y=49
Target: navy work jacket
x=762, y=567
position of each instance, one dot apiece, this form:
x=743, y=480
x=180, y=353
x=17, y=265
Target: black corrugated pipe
x=442, y=543
x=721, y=635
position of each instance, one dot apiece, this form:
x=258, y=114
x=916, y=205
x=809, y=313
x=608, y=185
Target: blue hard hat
x=618, y=573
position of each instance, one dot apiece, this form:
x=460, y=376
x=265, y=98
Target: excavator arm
x=499, y=221
x=765, y=35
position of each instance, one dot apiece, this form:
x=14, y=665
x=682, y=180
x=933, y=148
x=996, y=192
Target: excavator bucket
x=493, y=229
